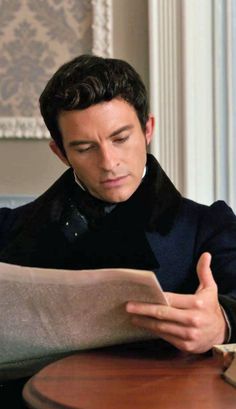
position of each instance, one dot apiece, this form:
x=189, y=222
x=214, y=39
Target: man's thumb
x=204, y=272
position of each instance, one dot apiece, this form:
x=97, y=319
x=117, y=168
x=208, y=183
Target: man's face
x=106, y=147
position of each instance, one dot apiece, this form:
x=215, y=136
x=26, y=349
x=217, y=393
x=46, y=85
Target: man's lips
x=114, y=181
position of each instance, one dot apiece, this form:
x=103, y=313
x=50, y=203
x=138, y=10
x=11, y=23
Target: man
x=115, y=207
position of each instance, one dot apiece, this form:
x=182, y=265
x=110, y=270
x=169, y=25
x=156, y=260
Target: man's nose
x=108, y=158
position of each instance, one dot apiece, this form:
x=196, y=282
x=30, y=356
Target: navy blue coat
x=172, y=234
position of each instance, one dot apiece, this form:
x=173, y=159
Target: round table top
x=127, y=377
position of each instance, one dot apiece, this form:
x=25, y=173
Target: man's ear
x=54, y=147
x=150, y=124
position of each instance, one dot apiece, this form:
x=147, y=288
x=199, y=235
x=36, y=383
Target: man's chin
x=116, y=198
x=115, y=195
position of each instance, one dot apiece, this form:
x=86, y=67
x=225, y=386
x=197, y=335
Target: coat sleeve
x=218, y=236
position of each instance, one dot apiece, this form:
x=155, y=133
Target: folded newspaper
x=48, y=313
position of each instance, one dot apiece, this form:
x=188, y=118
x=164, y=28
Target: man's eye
x=121, y=139
x=84, y=149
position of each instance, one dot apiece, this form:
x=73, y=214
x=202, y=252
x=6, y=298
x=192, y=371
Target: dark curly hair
x=87, y=80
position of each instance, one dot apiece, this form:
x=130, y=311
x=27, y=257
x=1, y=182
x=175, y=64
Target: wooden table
x=131, y=377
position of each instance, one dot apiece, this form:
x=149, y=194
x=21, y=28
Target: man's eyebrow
x=77, y=143
x=116, y=132
x=119, y=130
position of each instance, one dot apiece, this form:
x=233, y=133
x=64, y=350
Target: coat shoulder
x=217, y=213
x=36, y=212
x=9, y=217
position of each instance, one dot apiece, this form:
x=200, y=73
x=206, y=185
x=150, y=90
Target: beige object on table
x=226, y=353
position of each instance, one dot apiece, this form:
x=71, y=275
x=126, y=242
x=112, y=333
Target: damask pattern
x=36, y=37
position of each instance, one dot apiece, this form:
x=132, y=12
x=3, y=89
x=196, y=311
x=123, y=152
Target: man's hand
x=192, y=323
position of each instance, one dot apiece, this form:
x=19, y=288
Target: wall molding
x=224, y=36
x=198, y=100
x=23, y=128
x=102, y=28
x=166, y=85
x=181, y=78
